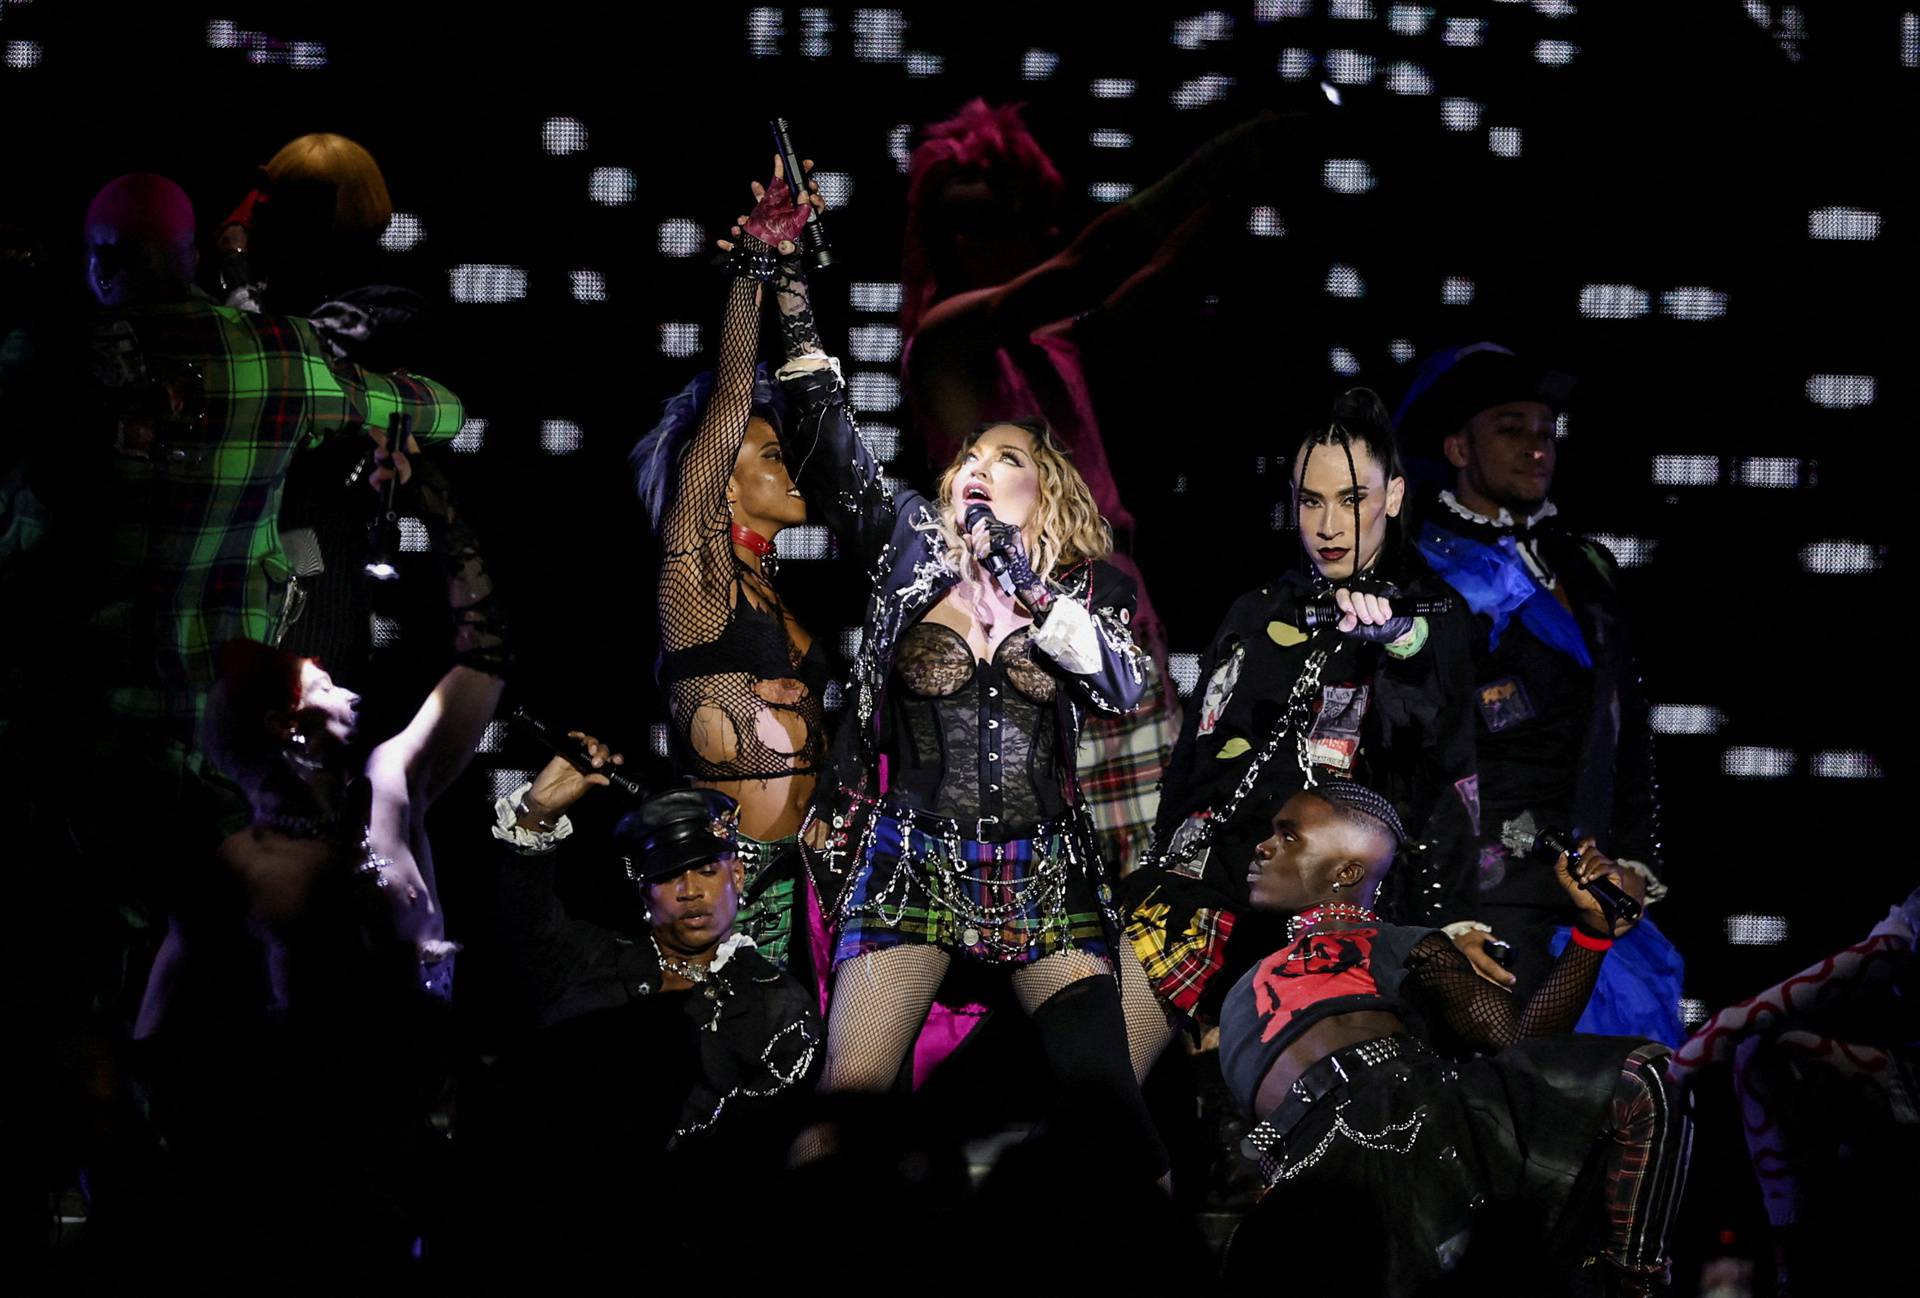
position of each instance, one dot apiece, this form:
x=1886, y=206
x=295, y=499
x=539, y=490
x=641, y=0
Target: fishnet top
x=1481, y=1014
x=745, y=701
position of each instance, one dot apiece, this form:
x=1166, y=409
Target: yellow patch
x=1232, y=748
x=1284, y=635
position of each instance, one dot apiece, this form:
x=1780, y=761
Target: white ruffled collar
x=1503, y=518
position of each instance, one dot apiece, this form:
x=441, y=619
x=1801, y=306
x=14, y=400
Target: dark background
x=1680, y=146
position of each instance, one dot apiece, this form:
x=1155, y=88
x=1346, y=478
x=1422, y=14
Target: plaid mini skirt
x=918, y=882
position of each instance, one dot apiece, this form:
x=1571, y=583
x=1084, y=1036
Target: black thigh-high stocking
x=1076, y=1007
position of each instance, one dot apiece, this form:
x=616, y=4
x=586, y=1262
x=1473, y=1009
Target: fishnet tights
x=881, y=999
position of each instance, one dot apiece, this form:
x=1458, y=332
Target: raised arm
x=344, y=399
x=696, y=567
x=954, y=342
x=1484, y=1015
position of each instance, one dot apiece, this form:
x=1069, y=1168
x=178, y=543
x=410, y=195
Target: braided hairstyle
x=1355, y=800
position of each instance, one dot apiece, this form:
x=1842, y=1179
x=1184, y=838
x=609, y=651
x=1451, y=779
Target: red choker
x=760, y=545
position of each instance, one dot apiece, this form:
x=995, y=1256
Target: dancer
x=1569, y=1138
x=744, y=680
x=1376, y=696
x=957, y=825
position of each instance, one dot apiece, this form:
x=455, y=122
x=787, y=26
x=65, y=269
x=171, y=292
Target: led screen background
x=1698, y=209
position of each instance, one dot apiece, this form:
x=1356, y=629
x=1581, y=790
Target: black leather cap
x=673, y=832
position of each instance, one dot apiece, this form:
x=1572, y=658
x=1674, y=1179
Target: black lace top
x=973, y=740
x=745, y=701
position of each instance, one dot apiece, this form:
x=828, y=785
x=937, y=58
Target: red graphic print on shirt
x=1320, y=966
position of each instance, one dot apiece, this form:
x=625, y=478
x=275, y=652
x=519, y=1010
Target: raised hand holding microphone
x=1002, y=551
x=1592, y=879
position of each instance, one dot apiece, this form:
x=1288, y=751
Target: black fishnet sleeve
x=696, y=563
x=1481, y=1014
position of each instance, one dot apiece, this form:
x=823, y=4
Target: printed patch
x=1220, y=688
x=1504, y=703
x=1233, y=748
x=1334, y=740
x=1469, y=791
x=1285, y=635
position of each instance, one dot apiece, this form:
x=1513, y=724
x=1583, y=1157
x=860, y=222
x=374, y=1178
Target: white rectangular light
x=1185, y=670
x=1841, y=391
x=1110, y=191
x=503, y=780
x=1345, y=281
x=879, y=35
x=1845, y=764
x=1628, y=551
x=1693, y=303
x=1112, y=88
x=487, y=283
x=471, y=437
x=1456, y=290
x=809, y=541
x=1686, y=470
x=876, y=392
x=1504, y=141
x=873, y=342
x=1769, y=471
x=1755, y=762
x=850, y=639
x=1839, y=558
x=612, y=186
x=589, y=286
x=1613, y=301
x=1266, y=222
x=877, y=298
x=1850, y=223
x=493, y=738
x=1201, y=91
x=1409, y=20
x=560, y=436
x=1409, y=79
x=1460, y=114
x=1347, y=175
x=679, y=238
x=679, y=338
x=1684, y=719
x=1038, y=65
x=562, y=135
x=1756, y=930
x=402, y=233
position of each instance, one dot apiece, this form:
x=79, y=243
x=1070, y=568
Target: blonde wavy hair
x=1066, y=524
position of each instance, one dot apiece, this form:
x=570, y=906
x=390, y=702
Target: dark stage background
x=1694, y=207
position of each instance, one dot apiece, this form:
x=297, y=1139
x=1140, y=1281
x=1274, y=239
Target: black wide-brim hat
x=1455, y=385
x=675, y=831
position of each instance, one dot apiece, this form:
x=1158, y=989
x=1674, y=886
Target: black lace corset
x=973, y=740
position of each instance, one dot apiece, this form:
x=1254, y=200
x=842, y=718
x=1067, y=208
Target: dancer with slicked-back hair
x=1376, y=695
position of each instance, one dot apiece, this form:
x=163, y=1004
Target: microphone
x=385, y=542
x=1322, y=611
x=1613, y=898
x=813, y=239
x=995, y=562
x=564, y=745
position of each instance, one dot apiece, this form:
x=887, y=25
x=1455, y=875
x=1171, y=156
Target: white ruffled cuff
x=807, y=363
x=1068, y=637
x=528, y=842
x=1461, y=927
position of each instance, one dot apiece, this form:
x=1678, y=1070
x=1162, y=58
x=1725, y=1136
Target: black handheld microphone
x=995, y=562
x=564, y=745
x=1613, y=898
x=1322, y=611
x=386, y=526
x=813, y=239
